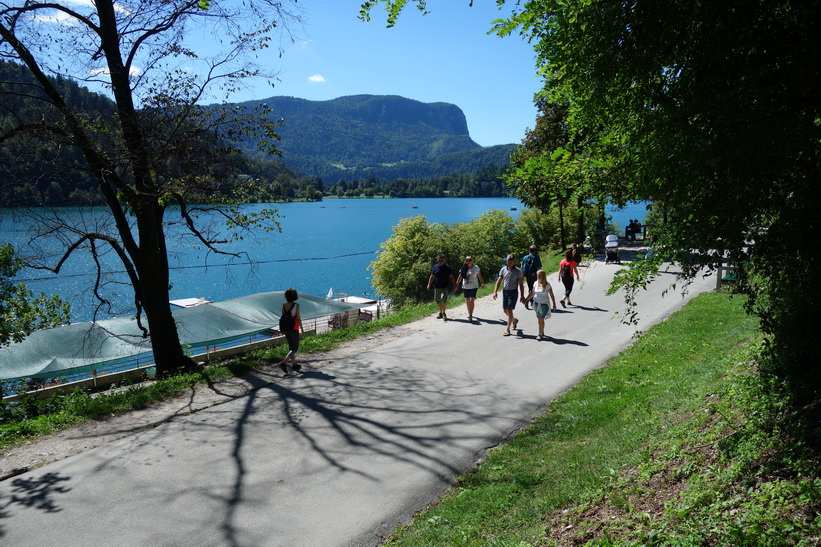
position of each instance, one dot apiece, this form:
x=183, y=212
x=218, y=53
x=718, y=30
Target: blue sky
x=444, y=56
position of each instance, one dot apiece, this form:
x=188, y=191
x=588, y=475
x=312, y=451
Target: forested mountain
x=36, y=164
x=377, y=136
x=372, y=144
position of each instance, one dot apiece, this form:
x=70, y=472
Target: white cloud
x=318, y=78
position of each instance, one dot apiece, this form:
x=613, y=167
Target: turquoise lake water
x=322, y=245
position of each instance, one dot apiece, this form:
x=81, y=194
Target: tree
x=21, y=312
x=156, y=150
x=403, y=266
x=710, y=110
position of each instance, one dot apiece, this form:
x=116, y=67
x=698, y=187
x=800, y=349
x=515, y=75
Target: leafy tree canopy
x=710, y=110
x=21, y=312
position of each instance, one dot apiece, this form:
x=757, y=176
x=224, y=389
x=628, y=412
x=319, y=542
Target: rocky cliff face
x=392, y=110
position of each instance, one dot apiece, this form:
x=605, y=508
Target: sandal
x=515, y=323
x=506, y=333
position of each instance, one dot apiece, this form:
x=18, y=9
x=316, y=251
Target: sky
x=444, y=56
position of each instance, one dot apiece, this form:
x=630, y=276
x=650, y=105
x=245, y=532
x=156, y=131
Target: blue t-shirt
x=535, y=266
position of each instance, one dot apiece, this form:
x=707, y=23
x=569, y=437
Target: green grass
x=586, y=469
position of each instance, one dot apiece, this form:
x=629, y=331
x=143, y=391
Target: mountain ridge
x=388, y=136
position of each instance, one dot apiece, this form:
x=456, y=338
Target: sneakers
x=540, y=337
x=439, y=316
x=562, y=303
x=444, y=316
x=470, y=319
x=296, y=367
x=283, y=367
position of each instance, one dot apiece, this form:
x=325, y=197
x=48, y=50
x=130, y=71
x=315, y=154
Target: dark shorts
x=509, y=299
x=440, y=295
x=469, y=293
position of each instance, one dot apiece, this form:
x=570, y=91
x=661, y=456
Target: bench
x=725, y=274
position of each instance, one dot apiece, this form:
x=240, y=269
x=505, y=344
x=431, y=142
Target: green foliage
x=544, y=228
x=732, y=474
x=21, y=312
x=729, y=155
x=402, y=269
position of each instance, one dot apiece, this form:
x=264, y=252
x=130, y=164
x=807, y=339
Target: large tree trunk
x=152, y=267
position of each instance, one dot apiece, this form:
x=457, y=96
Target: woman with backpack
x=290, y=324
x=567, y=271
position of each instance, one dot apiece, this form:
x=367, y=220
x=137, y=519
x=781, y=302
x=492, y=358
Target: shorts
x=542, y=310
x=509, y=299
x=470, y=293
x=440, y=295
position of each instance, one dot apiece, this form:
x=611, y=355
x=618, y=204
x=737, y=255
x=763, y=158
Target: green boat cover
x=83, y=347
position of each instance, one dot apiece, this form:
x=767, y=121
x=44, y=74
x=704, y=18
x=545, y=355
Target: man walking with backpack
x=531, y=263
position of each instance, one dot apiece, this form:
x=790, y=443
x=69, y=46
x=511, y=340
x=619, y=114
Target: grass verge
x=657, y=448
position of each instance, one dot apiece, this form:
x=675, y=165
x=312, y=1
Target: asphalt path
x=340, y=455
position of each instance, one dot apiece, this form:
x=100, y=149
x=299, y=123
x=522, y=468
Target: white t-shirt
x=540, y=294
x=471, y=278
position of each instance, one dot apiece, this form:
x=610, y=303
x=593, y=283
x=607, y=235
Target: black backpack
x=528, y=269
x=567, y=271
x=286, y=321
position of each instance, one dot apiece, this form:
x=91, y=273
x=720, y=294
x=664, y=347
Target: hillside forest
x=35, y=172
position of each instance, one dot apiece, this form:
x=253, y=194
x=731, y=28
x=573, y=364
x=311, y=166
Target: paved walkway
x=338, y=456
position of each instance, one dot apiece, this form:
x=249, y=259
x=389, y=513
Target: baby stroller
x=611, y=249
